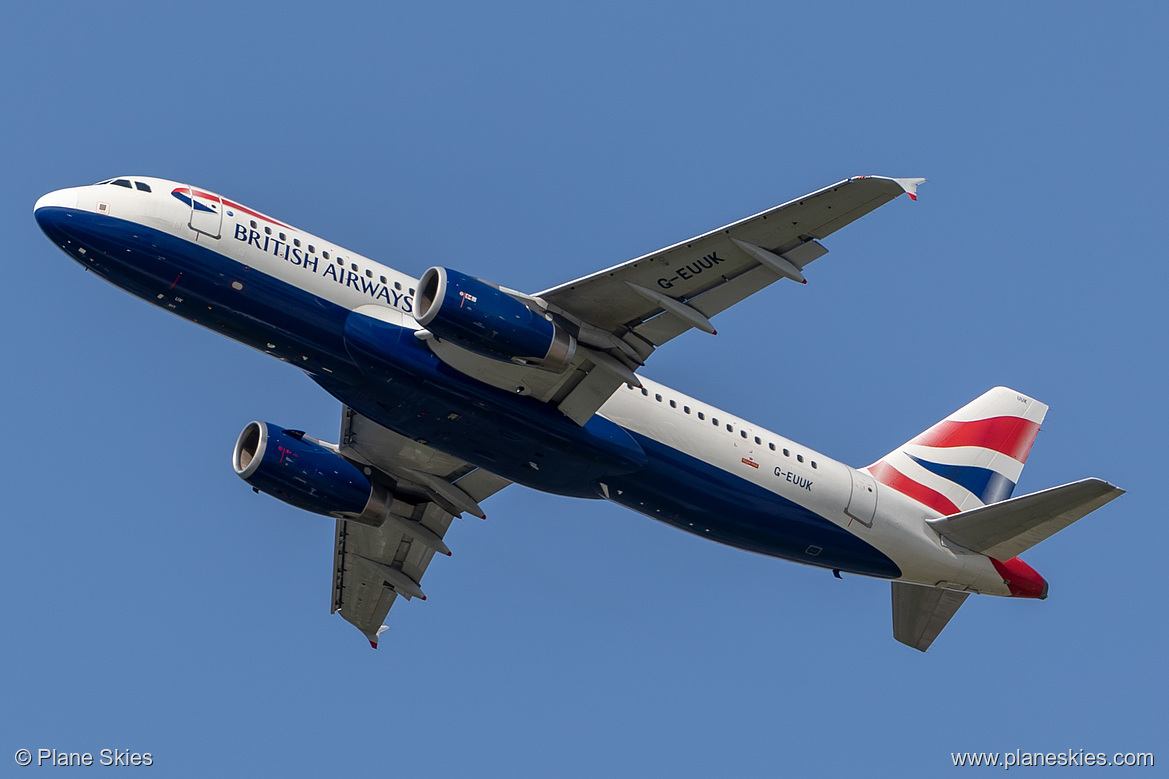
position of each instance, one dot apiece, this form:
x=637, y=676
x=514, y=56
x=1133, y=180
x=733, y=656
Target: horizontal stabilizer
x=1006, y=529
x=920, y=613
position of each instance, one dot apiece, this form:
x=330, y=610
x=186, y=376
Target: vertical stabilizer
x=971, y=458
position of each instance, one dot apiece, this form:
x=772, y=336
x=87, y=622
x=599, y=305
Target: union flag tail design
x=971, y=458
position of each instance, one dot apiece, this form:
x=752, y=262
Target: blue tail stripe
x=990, y=486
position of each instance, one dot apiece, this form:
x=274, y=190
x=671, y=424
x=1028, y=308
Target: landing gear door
x=206, y=212
x=862, y=503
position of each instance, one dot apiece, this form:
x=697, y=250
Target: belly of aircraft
x=667, y=485
x=205, y=287
x=692, y=495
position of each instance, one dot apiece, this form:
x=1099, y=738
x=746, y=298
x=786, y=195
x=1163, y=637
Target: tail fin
x=971, y=458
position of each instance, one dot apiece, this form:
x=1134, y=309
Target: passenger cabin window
x=253, y=224
x=353, y=266
x=282, y=236
x=296, y=242
x=312, y=249
x=142, y=187
x=758, y=440
x=743, y=433
x=658, y=398
x=673, y=404
x=686, y=409
x=714, y=421
x=730, y=428
x=644, y=391
x=369, y=274
x=799, y=458
x=771, y=447
x=813, y=463
x=267, y=230
x=786, y=453
x=325, y=255
x=701, y=415
x=122, y=183
x=398, y=285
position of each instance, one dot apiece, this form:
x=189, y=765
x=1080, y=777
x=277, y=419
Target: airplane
x=453, y=388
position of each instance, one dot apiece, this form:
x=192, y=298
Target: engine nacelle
x=488, y=321
x=299, y=471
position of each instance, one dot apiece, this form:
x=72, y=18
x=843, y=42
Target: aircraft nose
x=61, y=198
x=52, y=212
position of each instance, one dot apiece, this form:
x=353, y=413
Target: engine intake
x=486, y=320
x=301, y=472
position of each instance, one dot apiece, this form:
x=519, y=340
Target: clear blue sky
x=152, y=602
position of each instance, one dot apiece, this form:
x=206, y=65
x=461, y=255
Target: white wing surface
x=649, y=300
x=373, y=565
x=622, y=314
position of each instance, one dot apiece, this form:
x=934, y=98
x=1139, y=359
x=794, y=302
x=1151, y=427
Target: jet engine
x=302, y=472
x=488, y=321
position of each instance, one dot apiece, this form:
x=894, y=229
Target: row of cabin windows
x=730, y=427
x=340, y=261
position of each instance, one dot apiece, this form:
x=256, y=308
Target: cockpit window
x=107, y=181
x=142, y=187
x=122, y=183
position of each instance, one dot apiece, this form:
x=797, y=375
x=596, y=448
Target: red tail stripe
x=230, y=204
x=895, y=479
x=1012, y=436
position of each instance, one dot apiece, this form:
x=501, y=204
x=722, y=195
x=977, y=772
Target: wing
x=619, y=316
x=625, y=312
x=426, y=490
x=711, y=272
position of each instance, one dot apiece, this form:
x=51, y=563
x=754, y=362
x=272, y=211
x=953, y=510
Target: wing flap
x=361, y=596
x=374, y=564
x=920, y=613
x=1008, y=528
x=591, y=392
x=715, y=300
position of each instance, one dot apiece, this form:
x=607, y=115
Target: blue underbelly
x=196, y=283
x=406, y=388
x=700, y=498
